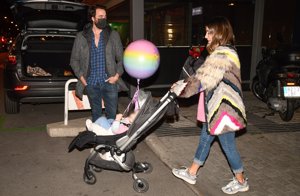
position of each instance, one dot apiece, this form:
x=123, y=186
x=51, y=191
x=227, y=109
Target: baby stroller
x=120, y=146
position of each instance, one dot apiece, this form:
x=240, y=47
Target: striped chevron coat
x=220, y=79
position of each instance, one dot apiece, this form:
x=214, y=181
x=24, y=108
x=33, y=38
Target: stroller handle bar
x=165, y=100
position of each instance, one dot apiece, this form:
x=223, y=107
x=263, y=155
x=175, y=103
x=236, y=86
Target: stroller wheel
x=143, y=167
x=89, y=178
x=96, y=169
x=140, y=185
x=147, y=167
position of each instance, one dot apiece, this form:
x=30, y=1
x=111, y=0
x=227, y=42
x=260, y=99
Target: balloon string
x=134, y=98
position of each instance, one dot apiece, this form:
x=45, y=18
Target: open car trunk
x=49, y=14
x=47, y=56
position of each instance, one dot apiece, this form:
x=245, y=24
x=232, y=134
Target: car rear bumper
x=38, y=91
x=40, y=95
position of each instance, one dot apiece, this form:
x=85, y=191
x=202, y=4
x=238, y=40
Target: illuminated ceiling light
x=231, y=4
x=197, y=11
x=170, y=30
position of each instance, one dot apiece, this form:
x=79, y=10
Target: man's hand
x=83, y=81
x=113, y=79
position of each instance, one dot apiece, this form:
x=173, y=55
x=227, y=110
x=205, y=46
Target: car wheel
x=11, y=106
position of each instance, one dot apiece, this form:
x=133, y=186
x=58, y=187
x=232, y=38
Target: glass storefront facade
x=175, y=25
x=279, y=23
x=168, y=23
x=181, y=23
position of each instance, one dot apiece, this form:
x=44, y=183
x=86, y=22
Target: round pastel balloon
x=141, y=59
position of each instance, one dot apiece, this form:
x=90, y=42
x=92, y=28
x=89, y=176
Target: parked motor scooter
x=277, y=81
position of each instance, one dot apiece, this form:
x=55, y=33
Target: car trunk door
x=49, y=15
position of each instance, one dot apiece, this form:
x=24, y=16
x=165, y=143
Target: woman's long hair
x=222, y=32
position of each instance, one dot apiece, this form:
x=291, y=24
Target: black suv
x=38, y=63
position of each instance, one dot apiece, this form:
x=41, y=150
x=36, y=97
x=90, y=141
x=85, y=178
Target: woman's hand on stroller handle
x=178, y=87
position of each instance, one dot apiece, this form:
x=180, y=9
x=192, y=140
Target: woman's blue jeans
x=228, y=144
x=109, y=93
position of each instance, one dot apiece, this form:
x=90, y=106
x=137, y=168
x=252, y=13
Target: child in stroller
x=120, y=146
x=104, y=126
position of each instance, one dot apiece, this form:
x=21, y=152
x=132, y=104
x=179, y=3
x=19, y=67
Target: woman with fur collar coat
x=221, y=107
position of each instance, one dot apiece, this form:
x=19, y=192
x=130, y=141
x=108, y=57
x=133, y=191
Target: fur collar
x=213, y=69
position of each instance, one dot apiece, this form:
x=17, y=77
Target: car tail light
x=3, y=39
x=12, y=59
x=21, y=88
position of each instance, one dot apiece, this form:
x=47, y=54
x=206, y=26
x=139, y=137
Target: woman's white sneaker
x=235, y=186
x=184, y=174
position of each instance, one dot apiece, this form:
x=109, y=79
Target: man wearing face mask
x=97, y=62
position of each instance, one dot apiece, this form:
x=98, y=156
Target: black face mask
x=101, y=23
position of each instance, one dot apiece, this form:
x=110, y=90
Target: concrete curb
x=58, y=129
x=166, y=156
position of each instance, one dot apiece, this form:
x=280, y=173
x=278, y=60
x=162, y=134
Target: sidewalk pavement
x=269, y=149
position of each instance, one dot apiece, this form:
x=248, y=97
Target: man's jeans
x=228, y=144
x=109, y=93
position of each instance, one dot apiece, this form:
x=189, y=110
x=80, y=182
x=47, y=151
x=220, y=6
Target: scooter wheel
x=289, y=113
x=255, y=88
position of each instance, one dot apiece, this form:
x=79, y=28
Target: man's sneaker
x=184, y=174
x=234, y=186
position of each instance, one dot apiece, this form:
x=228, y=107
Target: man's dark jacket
x=80, y=57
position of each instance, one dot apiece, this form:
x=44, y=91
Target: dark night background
x=7, y=28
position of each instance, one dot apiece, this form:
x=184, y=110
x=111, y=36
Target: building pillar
x=257, y=35
x=136, y=31
x=136, y=19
